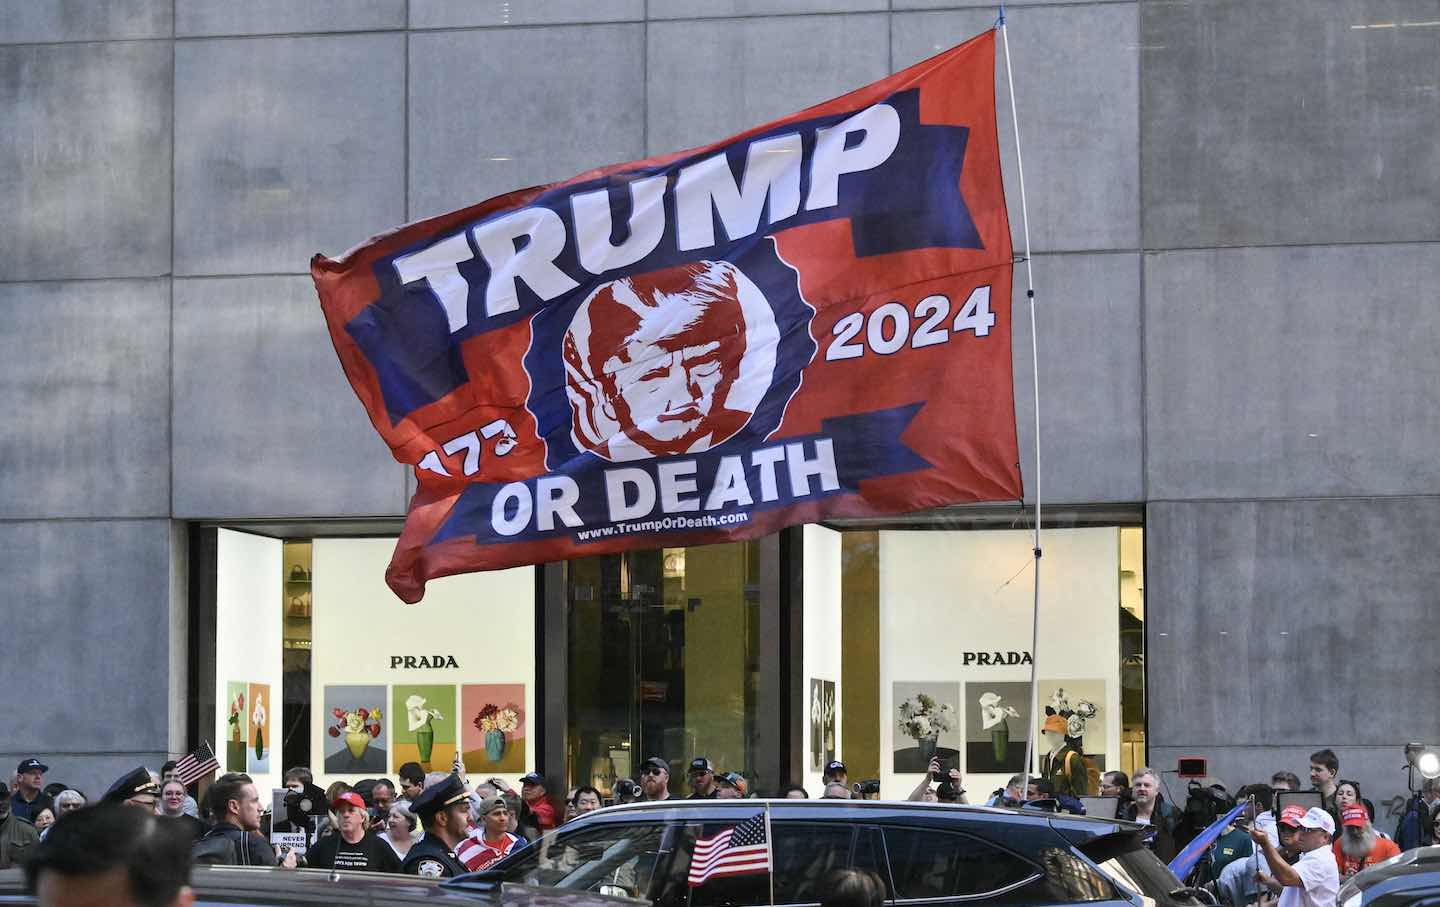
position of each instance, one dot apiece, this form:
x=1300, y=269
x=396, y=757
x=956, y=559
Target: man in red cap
x=354, y=847
x=1314, y=880
x=1359, y=844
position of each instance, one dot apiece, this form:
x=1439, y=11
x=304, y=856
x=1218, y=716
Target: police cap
x=135, y=783
x=438, y=796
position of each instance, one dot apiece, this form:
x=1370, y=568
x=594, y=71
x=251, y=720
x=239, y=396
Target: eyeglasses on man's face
x=655, y=771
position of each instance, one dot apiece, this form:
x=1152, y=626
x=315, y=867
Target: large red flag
x=808, y=320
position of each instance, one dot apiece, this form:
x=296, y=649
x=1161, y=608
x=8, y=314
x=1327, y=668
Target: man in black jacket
x=234, y=804
x=353, y=846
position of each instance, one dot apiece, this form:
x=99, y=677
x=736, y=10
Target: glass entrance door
x=663, y=661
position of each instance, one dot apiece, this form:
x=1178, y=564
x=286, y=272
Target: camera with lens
x=626, y=788
x=304, y=804
x=868, y=788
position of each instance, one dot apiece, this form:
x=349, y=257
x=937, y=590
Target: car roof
x=1419, y=867
x=852, y=810
x=260, y=885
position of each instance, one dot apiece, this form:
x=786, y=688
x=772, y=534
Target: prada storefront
x=882, y=645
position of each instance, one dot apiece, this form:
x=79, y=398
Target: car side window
x=804, y=854
x=1069, y=878
x=926, y=863
x=610, y=855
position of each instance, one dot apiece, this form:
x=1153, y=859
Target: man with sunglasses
x=702, y=779
x=655, y=779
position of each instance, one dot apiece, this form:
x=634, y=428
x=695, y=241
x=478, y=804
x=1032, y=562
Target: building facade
x=1235, y=219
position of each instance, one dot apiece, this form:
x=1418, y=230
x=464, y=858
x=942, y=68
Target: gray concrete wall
x=1233, y=207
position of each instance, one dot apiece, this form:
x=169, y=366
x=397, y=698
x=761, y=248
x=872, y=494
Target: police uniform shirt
x=369, y=854
x=430, y=859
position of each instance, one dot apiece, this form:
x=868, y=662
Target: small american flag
x=197, y=765
x=745, y=848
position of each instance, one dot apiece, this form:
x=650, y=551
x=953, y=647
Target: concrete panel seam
x=170, y=353
x=1293, y=245
x=1306, y=499
x=17, y=521
x=1140, y=263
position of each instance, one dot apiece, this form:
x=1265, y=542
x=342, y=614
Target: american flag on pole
x=197, y=765
x=745, y=848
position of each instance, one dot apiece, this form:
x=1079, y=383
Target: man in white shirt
x=1314, y=880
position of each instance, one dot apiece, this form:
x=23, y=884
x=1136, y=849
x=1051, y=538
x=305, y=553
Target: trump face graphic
x=670, y=362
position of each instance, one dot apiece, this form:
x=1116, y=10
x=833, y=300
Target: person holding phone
x=937, y=772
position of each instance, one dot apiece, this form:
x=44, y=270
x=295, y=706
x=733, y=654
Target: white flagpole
x=770, y=852
x=1035, y=366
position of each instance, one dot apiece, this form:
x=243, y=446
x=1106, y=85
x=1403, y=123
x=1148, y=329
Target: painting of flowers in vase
x=357, y=721
x=237, y=723
x=492, y=727
x=258, y=711
x=423, y=725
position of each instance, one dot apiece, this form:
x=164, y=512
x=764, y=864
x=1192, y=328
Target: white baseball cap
x=1316, y=817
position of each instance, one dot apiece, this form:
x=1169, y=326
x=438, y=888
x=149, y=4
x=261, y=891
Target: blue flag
x=1186, y=859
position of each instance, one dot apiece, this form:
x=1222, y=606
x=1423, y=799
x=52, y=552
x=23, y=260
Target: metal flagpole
x=1035, y=366
x=770, y=852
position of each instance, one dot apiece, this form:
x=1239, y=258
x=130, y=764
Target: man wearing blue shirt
x=28, y=799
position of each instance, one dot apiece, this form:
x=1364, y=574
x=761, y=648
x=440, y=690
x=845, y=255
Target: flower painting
x=1081, y=702
x=424, y=731
x=356, y=739
x=995, y=726
x=258, y=723
x=926, y=725
x=237, y=724
x=823, y=743
x=492, y=727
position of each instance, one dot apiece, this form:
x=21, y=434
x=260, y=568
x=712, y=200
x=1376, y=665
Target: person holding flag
x=1314, y=880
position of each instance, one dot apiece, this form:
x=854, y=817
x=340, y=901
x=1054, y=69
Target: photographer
x=936, y=772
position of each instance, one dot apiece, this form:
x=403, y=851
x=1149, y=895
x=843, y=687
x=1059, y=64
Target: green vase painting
x=1000, y=740
x=429, y=724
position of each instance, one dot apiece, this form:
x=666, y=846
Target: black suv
x=1411, y=879
x=925, y=854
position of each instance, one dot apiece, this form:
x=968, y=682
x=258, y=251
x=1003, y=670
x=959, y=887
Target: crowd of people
x=440, y=824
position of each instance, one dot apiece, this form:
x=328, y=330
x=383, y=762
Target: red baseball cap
x=350, y=797
x=1354, y=815
x=1292, y=815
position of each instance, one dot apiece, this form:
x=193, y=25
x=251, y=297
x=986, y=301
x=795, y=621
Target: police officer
x=136, y=788
x=444, y=810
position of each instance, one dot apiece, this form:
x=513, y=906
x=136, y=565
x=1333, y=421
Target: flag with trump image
x=809, y=320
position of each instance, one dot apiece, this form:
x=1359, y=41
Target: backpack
x=1092, y=774
x=217, y=849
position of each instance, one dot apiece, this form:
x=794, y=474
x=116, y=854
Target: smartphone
x=943, y=774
